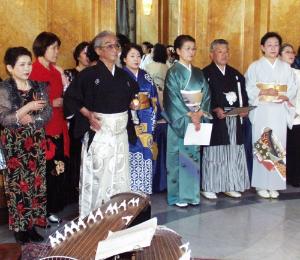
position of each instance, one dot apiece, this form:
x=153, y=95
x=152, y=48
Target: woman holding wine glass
x=23, y=139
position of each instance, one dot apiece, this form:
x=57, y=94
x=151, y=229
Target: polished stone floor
x=246, y=228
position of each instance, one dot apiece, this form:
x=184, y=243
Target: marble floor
x=247, y=228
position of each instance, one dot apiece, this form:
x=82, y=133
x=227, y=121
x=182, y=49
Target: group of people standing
x=90, y=132
x=270, y=86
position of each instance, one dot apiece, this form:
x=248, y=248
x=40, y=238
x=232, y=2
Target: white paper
x=127, y=240
x=201, y=137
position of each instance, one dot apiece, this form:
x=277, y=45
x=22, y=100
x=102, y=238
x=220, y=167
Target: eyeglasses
x=111, y=46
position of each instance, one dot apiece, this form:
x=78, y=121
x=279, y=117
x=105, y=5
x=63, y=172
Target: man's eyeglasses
x=111, y=46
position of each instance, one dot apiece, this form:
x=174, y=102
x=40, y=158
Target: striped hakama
x=224, y=167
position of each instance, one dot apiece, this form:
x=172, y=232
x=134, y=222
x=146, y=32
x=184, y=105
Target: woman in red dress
x=45, y=48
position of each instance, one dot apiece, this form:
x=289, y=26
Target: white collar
x=113, y=70
x=272, y=65
x=222, y=71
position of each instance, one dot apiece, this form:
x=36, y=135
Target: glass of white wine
x=38, y=95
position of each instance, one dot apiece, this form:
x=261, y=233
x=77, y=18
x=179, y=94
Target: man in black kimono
x=100, y=98
x=224, y=166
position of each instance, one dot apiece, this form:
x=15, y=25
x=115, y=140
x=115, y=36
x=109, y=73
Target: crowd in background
x=86, y=133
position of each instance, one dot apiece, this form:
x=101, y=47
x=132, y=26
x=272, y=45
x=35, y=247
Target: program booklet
x=235, y=111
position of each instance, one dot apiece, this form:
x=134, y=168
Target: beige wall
x=72, y=20
x=241, y=22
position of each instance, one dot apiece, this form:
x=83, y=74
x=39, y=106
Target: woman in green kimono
x=182, y=84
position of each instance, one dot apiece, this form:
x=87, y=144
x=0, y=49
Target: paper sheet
x=201, y=137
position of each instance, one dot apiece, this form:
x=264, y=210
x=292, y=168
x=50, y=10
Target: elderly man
x=224, y=167
x=102, y=95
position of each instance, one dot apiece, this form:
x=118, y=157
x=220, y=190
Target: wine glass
x=38, y=95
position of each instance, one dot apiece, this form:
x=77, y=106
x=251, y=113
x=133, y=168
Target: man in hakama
x=103, y=94
x=224, y=165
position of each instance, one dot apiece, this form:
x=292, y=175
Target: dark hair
x=148, y=45
x=180, y=40
x=123, y=40
x=79, y=48
x=283, y=46
x=270, y=35
x=43, y=41
x=127, y=49
x=160, y=53
x=12, y=54
x=91, y=54
x=298, y=51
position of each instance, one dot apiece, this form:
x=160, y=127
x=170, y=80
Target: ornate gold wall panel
x=72, y=20
x=241, y=22
x=147, y=25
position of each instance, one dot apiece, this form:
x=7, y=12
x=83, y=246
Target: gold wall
x=72, y=20
x=241, y=22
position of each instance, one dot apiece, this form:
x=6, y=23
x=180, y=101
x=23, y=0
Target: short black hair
x=123, y=40
x=91, y=53
x=180, y=40
x=43, y=41
x=160, y=53
x=127, y=49
x=269, y=35
x=79, y=48
x=148, y=45
x=12, y=54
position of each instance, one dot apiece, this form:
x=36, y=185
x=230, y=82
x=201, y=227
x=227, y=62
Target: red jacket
x=57, y=125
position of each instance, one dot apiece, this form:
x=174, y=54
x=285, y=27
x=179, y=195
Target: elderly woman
x=46, y=48
x=24, y=110
x=287, y=54
x=183, y=162
x=143, y=152
x=270, y=84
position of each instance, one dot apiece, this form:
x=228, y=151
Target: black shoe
x=54, y=219
x=21, y=237
x=34, y=236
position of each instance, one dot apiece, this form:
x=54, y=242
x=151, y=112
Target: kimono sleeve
x=205, y=104
x=175, y=108
x=292, y=85
x=73, y=97
x=251, y=88
x=8, y=116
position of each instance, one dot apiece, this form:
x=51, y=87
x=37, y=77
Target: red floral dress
x=25, y=174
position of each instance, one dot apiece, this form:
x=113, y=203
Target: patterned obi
x=113, y=124
x=282, y=89
x=144, y=100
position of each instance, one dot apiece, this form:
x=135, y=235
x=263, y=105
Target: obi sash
x=282, y=89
